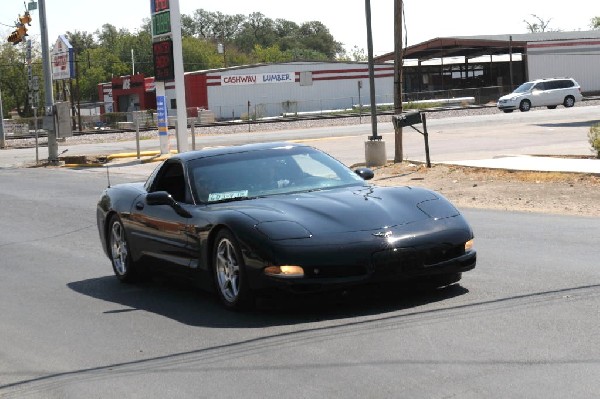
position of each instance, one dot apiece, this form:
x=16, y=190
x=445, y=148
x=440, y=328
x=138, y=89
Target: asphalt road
x=524, y=323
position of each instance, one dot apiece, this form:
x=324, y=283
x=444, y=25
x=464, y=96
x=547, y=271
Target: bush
x=594, y=137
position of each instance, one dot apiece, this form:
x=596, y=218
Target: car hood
x=511, y=96
x=345, y=210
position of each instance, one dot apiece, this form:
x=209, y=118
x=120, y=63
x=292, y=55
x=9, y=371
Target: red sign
x=163, y=60
x=160, y=5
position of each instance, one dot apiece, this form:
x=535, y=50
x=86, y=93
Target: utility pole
x=398, y=61
x=2, y=137
x=48, y=92
x=375, y=154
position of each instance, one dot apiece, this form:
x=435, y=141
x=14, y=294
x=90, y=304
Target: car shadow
x=188, y=305
x=570, y=124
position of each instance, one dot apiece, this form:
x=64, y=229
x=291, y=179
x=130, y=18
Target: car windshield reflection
x=252, y=174
x=524, y=88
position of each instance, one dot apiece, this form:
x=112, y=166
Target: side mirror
x=159, y=198
x=365, y=173
x=164, y=198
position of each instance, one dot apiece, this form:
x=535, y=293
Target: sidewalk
x=534, y=163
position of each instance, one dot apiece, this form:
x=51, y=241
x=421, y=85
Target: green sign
x=161, y=23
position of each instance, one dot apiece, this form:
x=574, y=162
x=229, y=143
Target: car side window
x=172, y=180
x=565, y=84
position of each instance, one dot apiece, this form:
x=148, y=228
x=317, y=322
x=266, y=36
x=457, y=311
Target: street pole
x=48, y=92
x=375, y=154
x=2, y=138
x=371, y=73
x=182, y=134
x=398, y=61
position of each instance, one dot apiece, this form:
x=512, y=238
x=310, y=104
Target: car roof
x=214, y=151
x=548, y=79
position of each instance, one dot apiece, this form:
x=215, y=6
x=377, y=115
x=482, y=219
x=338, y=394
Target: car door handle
x=139, y=206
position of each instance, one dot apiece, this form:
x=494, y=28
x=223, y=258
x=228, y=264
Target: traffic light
x=14, y=38
x=25, y=19
x=22, y=31
x=17, y=35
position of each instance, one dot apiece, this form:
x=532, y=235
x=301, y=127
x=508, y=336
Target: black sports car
x=279, y=216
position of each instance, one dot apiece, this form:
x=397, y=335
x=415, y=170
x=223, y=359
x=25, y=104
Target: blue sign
x=161, y=110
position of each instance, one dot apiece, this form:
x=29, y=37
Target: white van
x=542, y=93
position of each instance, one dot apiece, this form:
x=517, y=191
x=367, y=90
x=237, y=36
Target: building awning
x=444, y=47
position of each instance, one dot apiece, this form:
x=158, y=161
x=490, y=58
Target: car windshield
x=245, y=175
x=525, y=87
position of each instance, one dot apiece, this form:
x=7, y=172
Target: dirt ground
x=467, y=187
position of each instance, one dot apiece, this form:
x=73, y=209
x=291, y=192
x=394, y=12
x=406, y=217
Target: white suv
x=542, y=93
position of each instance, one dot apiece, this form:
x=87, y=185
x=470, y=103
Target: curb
x=155, y=156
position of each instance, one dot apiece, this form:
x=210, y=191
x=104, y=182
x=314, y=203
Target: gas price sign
x=163, y=60
x=159, y=5
x=161, y=17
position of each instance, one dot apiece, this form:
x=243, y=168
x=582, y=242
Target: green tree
x=595, y=23
x=81, y=40
x=13, y=79
x=200, y=54
x=270, y=54
x=315, y=36
x=98, y=65
x=257, y=30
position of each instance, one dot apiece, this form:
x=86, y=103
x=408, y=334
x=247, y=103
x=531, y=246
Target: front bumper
x=505, y=105
x=383, y=267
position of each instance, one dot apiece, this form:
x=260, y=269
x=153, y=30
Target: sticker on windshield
x=227, y=195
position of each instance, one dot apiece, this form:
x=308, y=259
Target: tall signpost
x=48, y=93
x=168, y=66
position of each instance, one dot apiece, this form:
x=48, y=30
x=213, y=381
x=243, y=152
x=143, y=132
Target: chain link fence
x=248, y=111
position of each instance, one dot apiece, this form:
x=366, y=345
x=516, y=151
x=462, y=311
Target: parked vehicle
x=542, y=93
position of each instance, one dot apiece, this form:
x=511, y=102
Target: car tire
x=525, y=106
x=551, y=106
x=123, y=265
x=229, y=272
x=569, y=101
x=507, y=111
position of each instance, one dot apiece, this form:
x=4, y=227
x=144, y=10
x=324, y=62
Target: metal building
x=452, y=63
x=270, y=90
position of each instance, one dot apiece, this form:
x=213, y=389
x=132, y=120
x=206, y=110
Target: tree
x=595, y=23
x=13, y=79
x=199, y=54
x=356, y=54
x=540, y=26
x=315, y=36
x=270, y=54
x=81, y=40
x=257, y=30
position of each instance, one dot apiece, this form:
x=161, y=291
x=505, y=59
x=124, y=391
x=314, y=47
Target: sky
x=345, y=19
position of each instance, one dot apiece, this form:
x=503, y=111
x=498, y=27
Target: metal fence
x=259, y=111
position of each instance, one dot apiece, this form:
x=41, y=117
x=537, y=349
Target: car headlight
x=284, y=271
x=469, y=245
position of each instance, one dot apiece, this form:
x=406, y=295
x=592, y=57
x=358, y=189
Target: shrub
x=594, y=137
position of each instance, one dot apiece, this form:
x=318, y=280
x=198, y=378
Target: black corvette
x=245, y=219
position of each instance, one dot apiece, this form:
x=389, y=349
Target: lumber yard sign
x=252, y=79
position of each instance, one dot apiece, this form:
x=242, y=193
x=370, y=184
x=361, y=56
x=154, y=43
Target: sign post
x=168, y=65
